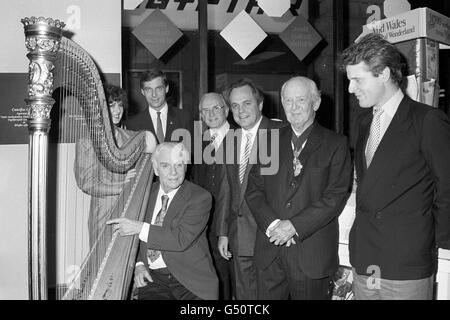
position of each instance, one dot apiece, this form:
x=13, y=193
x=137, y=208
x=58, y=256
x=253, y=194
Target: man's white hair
x=174, y=148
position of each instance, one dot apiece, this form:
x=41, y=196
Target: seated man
x=174, y=261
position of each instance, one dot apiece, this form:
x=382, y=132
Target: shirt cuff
x=143, y=235
x=140, y=263
x=274, y=222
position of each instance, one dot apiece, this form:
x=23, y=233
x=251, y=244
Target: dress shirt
x=154, y=116
x=389, y=110
x=220, y=134
x=253, y=131
x=143, y=235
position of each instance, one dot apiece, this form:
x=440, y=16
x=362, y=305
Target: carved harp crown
x=56, y=61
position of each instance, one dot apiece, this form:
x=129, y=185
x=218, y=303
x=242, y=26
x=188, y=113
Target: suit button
x=293, y=185
x=288, y=205
x=378, y=215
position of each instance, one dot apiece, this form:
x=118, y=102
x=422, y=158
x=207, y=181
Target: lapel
x=176, y=205
x=147, y=121
x=286, y=153
x=360, y=157
x=152, y=202
x=171, y=124
x=390, y=144
x=313, y=142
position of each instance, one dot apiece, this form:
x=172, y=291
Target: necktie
x=154, y=254
x=296, y=141
x=159, y=130
x=211, y=142
x=374, y=136
x=244, y=159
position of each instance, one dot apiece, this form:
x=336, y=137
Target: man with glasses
x=236, y=226
x=297, y=208
x=208, y=174
x=160, y=118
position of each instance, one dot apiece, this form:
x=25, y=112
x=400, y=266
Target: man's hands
x=223, y=247
x=126, y=227
x=140, y=275
x=282, y=233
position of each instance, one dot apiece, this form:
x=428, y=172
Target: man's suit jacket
x=312, y=201
x=403, y=198
x=234, y=218
x=209, y=177
x=182, y=240
x=176, y=119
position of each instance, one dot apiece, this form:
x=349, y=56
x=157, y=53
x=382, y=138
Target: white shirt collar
x=163, y=111
x=220, y=132
x=391, y=106
x=253, y=130
x=171, y=194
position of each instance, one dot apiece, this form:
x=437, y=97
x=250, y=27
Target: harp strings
x=83, y=237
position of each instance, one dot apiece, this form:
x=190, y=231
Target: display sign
x=300, y=37
x=157, y=33
x=418, y=23
x=184, y=13
x=243, y=34
x=274, y=8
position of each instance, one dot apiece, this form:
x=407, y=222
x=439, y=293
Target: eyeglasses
x=213, y=110
x=158, y=90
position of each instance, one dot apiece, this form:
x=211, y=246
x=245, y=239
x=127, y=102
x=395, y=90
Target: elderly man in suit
x=297, y=208
x=402, y=158
x=210, y=173
x=160, y=118
x=236, y=226
x=174, y=261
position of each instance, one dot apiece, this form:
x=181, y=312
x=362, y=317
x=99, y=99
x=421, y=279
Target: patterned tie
x=374, y=136
x=244, y=159
x=211, y=142
x=296, y=141
x=154, y=254
x=159, y=130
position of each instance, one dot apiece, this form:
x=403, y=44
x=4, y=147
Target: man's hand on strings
x=125, y=227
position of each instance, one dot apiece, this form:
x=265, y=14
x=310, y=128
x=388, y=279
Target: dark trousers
x=244, y=278
x=282, y=281
x=164, y=287
x=223, y=270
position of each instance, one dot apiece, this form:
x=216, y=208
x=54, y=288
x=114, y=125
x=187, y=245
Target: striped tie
x=244, y=159
x=374, y=136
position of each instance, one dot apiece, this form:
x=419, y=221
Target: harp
x=57, y=62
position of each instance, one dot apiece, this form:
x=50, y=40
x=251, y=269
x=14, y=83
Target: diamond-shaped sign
x=243, y=34
x=394, y=7
x=157, y=33
x=300, y=37
x=274, y=8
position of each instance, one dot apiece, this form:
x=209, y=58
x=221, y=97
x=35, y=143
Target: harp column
x=43, y=38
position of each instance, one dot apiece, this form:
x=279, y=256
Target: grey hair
x=313, y=90
x=213, y=94
x=173, y=148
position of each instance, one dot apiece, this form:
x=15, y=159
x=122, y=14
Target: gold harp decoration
x=56, y=61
